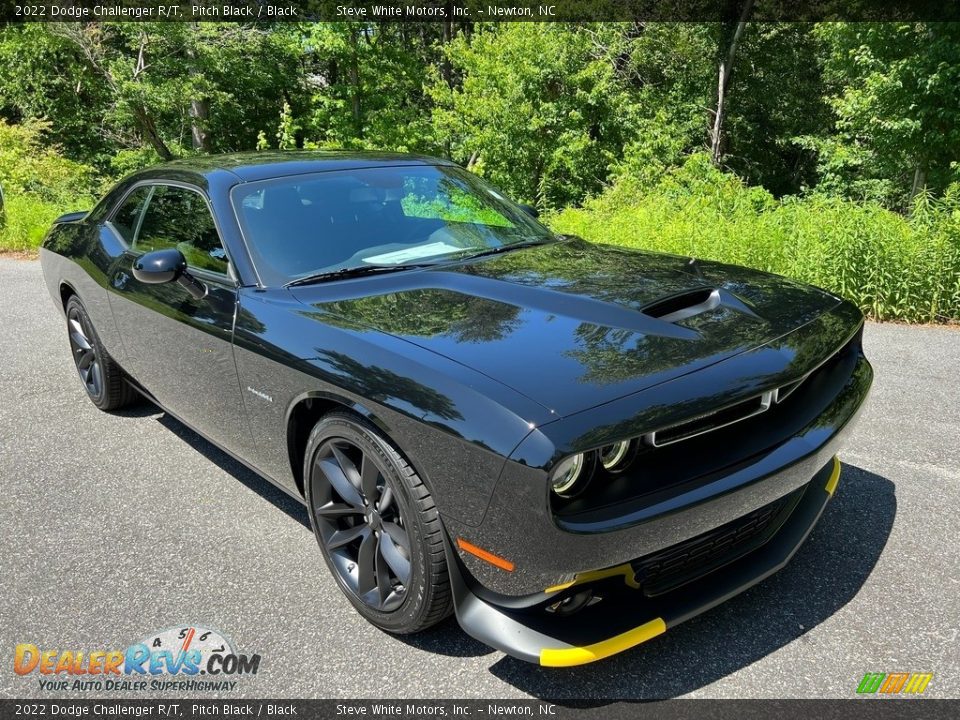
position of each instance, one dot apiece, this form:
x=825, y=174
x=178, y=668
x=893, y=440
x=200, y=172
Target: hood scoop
x=683, y=306
x=686, y=305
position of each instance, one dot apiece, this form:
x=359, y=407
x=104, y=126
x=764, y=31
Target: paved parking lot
x=119, y=525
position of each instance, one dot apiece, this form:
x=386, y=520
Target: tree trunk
x=199, y=107
x=919, y=182
x=149, y=130
x=355, y=83
x=445, y=68
x=723, y=83
x=199, y=113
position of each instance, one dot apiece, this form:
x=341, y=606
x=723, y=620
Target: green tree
x=539, y=108
x=366, y=84
x=43, y=76
x=896, y=100
x=163, y=88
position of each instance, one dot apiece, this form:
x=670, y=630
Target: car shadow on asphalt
x=267, y=490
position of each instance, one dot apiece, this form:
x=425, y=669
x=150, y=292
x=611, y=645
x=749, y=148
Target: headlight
x=615, y=457
x=572, y=474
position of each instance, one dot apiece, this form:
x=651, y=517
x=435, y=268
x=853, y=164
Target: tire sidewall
x=358, y=432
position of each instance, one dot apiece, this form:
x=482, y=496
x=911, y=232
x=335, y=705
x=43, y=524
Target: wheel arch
x=303, y=414
x=66, y=292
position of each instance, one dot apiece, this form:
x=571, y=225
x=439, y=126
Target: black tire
x=102, y=378
x=340, y=446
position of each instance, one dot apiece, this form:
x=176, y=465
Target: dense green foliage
x=835, y=160
x=38, y=183
x=893, y=267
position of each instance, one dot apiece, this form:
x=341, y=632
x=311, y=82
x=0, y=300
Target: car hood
x=572, y=324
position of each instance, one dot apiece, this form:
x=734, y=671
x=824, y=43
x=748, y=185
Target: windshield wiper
x=349, y=272
x=505, y=248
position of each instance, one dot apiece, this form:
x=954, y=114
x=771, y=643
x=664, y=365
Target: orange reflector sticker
x=489, y=557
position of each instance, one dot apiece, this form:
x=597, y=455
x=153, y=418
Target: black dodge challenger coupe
x=571, y=446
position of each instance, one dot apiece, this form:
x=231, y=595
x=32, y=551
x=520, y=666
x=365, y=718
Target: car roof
x=252, y=166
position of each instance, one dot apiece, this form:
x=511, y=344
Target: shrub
x=39, y=184
x=27, y=220
x=893, y=267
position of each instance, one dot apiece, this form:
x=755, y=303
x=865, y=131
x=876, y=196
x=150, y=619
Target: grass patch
x=27, y=220
x=39, y=185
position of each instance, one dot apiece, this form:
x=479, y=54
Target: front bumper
x=626, y=617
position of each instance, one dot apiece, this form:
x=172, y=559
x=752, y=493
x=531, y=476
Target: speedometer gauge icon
x=181, y=640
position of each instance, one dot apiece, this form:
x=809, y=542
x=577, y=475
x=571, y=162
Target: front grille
x=677, y=565
x=744, y=410
x=710, y=421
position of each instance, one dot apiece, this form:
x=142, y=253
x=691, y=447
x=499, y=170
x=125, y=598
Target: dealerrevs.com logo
x=170, y=660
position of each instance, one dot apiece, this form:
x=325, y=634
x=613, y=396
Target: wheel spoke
x=366, y=570
x=335, y=510
x=334, y=474
x=79, y=340
x=349, y=469
x=343, y=537
x=398, y=535
x=383, y=576
x=88, y=357
x=385, y=499
x=368, y=478
x=394, y=558
x=95, y=377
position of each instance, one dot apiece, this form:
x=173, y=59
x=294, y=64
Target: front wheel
x=376, y=524
x=102, y=378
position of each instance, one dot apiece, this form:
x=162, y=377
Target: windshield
x=340, y=220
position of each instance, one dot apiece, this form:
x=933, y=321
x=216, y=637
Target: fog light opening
x=573, y=603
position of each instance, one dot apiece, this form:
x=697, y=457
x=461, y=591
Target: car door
x=177, y=347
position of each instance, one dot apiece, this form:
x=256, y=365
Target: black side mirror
x=163, y=266
x=530, y=210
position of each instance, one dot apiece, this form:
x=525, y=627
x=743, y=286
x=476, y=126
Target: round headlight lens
x=613, y=456
x=567, y=474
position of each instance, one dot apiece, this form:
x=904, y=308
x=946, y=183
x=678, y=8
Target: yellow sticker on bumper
x=568, y=657
x=834, y=476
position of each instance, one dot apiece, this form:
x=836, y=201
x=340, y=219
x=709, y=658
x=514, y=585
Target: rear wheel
x=102, y=378
x=376, y=524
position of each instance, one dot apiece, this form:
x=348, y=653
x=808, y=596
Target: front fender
x=455, y=426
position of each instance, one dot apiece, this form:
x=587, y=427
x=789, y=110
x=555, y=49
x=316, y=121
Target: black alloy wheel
x=88, y=364
x=102, y=378
x=376, y=525
x=361, y=526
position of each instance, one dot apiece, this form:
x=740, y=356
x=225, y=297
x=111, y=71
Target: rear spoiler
x=71, y=217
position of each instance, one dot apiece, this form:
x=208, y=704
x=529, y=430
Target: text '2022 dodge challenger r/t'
x=572, y=446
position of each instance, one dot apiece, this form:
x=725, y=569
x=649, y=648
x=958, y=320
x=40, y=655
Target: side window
x=127, y=217
x=179, y=218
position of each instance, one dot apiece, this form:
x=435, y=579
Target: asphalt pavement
x=119, y=525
